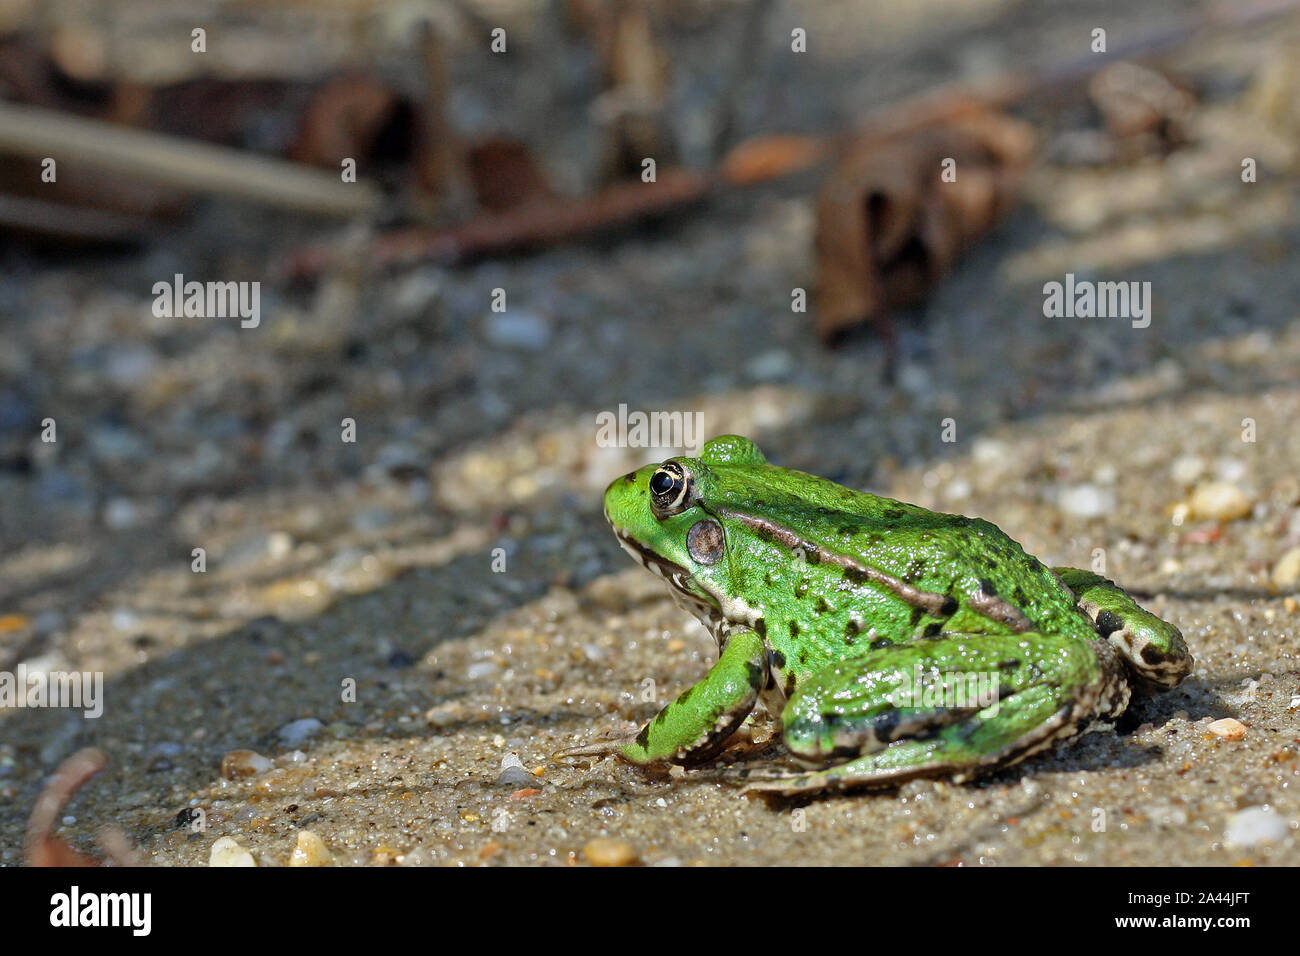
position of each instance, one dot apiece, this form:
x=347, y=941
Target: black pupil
x=661, y=482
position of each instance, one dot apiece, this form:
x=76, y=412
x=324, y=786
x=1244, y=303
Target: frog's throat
x=718, y=613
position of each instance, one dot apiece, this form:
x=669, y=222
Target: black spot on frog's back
x=855, y=575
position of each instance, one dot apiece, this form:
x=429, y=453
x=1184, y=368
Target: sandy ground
x=373, y=565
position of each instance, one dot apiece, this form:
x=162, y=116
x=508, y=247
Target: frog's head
x=662, y=516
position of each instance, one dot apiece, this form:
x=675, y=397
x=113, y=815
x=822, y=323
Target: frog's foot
x=958, y=705
x=697, y=724
x=1152, y=647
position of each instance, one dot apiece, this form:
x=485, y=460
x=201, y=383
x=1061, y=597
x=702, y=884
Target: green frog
x=893, y=642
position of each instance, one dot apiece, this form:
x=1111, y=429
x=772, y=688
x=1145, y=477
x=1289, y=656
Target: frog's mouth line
x=674, y=574
x=676, y=577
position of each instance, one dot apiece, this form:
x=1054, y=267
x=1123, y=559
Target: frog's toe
x=864, y=773
x=603, y=747
x=1153, y=648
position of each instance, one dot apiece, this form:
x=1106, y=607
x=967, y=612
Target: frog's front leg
x=1153, y=648
x=957, y=704
x=697, y=724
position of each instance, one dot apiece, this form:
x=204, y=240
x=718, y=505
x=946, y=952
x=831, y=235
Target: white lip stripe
x=718, y=618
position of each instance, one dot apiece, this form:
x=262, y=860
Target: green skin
x=854, y=617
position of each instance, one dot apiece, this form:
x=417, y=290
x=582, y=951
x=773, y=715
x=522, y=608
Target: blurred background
x=503, y=267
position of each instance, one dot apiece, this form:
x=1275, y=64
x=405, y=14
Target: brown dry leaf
x=888, y=226
x=43, y=847
x=505, y=175
x=46, y=849
x=346, y=117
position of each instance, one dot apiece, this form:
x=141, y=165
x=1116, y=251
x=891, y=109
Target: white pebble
x=511, y=760
x=1186, y=469
x=226, y=852
x=292, y=734
x=1255, y=825
x=1087, y=501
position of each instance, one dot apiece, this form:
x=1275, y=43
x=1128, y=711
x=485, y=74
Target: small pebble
x=295, y=733
x=1219, y=501
x=481, y=669
x=513, y=773
x=244, y=763
x=121, y=514
x=1286, y=573
x=1255, y=825
x=515, y=777
x=518, y=329
x=226, y=852
x=310, y=851
x=771, y=365
x=1087, y=501
x=1187, y=469
x=443, y=715
x=608, y=852
x=1228, y=728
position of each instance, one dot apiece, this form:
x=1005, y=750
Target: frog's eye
x=671, y=489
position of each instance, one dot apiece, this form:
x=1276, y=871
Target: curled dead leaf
x=46, y=849
x=889, y=225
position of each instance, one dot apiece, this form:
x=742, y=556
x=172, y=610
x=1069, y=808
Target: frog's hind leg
x=1153, y=648
x=901, y=713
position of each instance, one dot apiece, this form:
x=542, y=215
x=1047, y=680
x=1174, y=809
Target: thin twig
x=36, y=133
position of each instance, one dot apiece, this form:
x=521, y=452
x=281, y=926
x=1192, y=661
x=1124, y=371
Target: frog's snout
x=617, y=493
